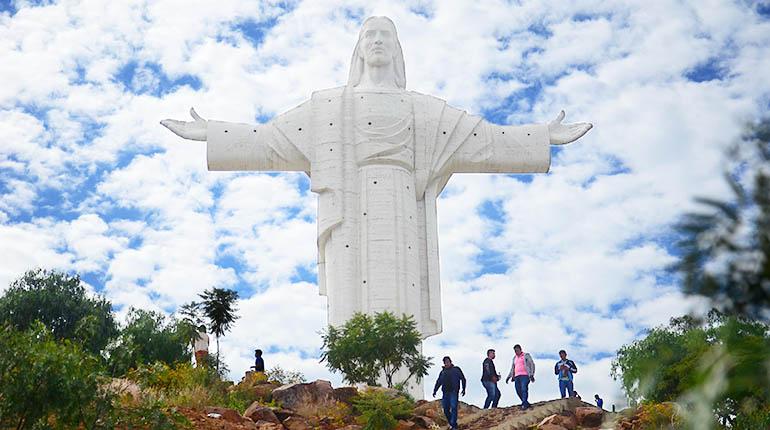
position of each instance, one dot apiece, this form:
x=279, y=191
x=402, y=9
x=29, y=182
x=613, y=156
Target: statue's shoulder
x=425, y=98
x=328, y=93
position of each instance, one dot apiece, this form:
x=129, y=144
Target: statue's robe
x=378, y=160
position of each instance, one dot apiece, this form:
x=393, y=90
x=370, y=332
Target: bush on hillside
x=61, y=303
x=44, y=381
x=282, y=377
x=149, y=337
x=380, y=410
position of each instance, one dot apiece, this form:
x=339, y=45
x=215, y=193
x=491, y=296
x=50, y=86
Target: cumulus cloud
x=90, y=183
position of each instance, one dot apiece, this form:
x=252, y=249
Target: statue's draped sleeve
x=283, y=144
x=449, y=140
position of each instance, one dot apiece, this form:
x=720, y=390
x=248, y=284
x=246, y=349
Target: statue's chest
x=384, y=125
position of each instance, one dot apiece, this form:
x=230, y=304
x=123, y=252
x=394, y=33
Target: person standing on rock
x=450, y=379
x=599, y=401
x=201, y=346
x=564, y=369
x=522, y=373
x=259, y=362
x=489, y=378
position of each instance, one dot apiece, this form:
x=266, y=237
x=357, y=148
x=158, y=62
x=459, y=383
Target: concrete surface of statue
x=378, y=156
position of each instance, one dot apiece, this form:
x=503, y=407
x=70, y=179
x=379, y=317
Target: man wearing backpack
x=450, y=379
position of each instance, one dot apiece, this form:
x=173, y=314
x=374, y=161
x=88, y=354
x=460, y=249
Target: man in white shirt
x=201, y=346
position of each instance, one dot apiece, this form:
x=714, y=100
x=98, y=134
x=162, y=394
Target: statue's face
x=378, y=42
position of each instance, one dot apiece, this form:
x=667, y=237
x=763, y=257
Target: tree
x=61, y=303
x=718, y=365
x=43, y=379
x=366, y=347
x=725, y=249
x=218, y=306
x=149, y=337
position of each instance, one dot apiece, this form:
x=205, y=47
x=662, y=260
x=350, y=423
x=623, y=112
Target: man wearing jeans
x=564, y=369
x=522, y=373
x=489, y=378
x=450, y=379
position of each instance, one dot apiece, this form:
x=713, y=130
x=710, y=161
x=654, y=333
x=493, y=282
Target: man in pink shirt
x=522, y=372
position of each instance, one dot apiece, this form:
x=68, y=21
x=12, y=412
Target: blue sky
x=91, y=183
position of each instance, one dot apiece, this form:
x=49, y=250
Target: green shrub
x=758, y=419
x=149, y=337
x=380, y=410
x=45, y=382
x=150, y=412
x=61, y=303
x=656, y=416
x=280, y=376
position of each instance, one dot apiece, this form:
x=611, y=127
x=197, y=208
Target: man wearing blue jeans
x=522, y=373
x=564, y=369
x=489, y=378
x=450, y=379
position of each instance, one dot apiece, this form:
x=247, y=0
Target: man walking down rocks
x=565, y=369
x=450, y=379
x=489, y=378
x=522, y=373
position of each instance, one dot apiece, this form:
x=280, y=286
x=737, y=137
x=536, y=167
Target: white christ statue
x=378, y=156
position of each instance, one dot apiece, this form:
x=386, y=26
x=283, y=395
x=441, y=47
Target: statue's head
x=377, y=46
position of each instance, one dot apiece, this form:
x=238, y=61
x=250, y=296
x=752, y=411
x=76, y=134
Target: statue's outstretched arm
x=492, y=148
x=278, y=145
x=192, y=130
x=560, y=134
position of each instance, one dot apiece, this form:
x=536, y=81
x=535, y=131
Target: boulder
x=293, y=395
x=296, y=423
x=423, y=422
x=569, y=422
x=282, y=414
x=257, y=412
x=405, y=425
x=229, y=415
x=589, y=416
x=551, y=427
x=435, y=412
x=345, y=394
x=264, y=425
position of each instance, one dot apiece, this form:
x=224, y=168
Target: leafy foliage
x=659, y=416
x=280, y=376
x=44, y=379
x=722, y=363
x=726, y=248
x=60, y=302
x=367, y=346
x=218, y=306
x=149, y=337
x=380, y=411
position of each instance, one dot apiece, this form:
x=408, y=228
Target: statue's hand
x=193, y=130
x=566, y=133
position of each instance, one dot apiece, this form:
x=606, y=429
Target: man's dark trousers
x=449, y=402
x=522, y=389
x=493, y=393
x=566, y=387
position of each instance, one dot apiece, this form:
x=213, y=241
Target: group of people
x=451, y=380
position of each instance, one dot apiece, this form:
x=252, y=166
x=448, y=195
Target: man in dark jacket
x=450, y=379
x=564, y=370
x=489, y=378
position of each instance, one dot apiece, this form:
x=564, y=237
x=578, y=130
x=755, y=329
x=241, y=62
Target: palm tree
x=218, y=305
